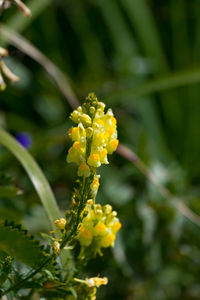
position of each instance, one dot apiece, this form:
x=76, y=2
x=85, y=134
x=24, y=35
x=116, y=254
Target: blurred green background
x=142, y=58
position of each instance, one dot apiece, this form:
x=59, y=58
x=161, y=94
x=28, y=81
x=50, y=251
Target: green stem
x=19, y=284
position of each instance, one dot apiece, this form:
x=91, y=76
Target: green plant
x=87, y=226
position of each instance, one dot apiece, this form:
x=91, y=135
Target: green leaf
x=38, y=179
x=20, y=245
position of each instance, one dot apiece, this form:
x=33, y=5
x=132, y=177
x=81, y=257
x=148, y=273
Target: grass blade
x=37, y=177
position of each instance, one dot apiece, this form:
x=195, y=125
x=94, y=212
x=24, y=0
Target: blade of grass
x=125, y=46
x=33, y=170
x=89, y=40
x=145, y=27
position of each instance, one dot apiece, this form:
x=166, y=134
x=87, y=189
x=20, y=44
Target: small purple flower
x=24, y=139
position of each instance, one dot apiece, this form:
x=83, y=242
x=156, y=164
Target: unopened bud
x=114, y=213
x=89, y=132
x=108, y=208
x=90, y=202
x=92, y=110
x=56, y=247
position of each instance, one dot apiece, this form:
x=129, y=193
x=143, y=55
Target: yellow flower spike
x=60, y=224
x=84, y=170
x=94, y=160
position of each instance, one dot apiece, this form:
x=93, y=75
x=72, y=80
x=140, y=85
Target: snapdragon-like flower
x=99, y=228
x=95, y=136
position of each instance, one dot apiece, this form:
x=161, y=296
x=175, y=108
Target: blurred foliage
x=129, y=53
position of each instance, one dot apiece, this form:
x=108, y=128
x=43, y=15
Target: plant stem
x=19, y=284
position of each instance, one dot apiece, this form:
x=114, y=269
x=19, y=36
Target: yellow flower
x=84, y=236
x=95, y=184
x=99, y=228
x=112, y=146
x=96, y=132
x=108, y=240
x=85, y=120
x=94, y=160
x=96, y=281
x=76, y=153
x=84, y=170
x=60, y=224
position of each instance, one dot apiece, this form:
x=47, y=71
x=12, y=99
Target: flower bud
x=56, y=247
x=60, y=224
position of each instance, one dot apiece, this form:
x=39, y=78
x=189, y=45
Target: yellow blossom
x=84, y=170
x=94, y=160
x=96, y=132
x=95, y=184
x=96, y=281
x=99, y=228
x=112, y=146
x=60, y=224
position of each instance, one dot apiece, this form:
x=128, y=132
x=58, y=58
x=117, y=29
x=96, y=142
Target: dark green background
x=123, y=50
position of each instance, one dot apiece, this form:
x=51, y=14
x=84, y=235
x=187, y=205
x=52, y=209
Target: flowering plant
x=87, y=227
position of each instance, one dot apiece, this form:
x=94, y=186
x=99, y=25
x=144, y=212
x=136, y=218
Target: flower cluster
x=99, y=228
x=94, y=137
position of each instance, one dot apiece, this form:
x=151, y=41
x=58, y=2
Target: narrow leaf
x=37, y=177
